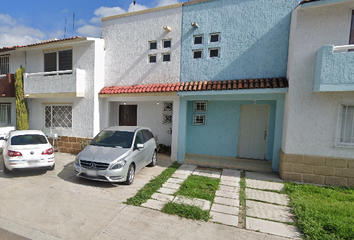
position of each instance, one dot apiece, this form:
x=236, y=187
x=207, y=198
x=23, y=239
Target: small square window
x=199, y=119
x=167, y=119
x=197, y=54
x=167, y=106
x=152, y=45
x=214, y=52
x=166, y=57
x=167, y=43
x=198, y=39
x=200, y=106
x=152, y=58
x=215, y=37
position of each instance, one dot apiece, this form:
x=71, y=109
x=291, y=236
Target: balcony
x=69, y=83
x=334, y=69
x=7, y=85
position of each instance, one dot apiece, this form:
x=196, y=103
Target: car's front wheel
x=6, y=170
x=130, y=175
x=153, y=160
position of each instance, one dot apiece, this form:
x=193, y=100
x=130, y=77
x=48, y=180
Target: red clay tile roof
x=199, y=86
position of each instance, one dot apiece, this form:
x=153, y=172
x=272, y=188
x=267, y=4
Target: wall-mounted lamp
x=157, y=103
x=26, y=95
x=194, y=24
x=167, y=28
x=125, y=103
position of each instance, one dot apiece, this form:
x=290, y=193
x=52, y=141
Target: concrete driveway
x=55, y=204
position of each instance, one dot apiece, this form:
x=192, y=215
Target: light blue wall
x=334, y=71
x=219, y=137
x=254, y=39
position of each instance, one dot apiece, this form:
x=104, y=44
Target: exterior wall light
x=167, y=28
x=125, y=103
x=194, y=24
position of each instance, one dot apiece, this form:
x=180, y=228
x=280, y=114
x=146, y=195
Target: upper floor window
x=58, y=61
x=166, y=43
x=152, y=45
x=215, y=37
x=4, y=64
x=214, y=52
x=198, y=39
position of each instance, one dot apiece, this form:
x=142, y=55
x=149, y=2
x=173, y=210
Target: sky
x=30, y=21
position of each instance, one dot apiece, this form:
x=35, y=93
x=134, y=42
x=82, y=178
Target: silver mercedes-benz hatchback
x=116, y=154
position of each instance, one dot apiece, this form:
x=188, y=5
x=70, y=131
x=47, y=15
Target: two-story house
x=142, y=72
x=318, y=134
x=233, y=81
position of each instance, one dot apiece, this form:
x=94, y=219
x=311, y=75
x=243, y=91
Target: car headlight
x=118, y=165
x=77, y=160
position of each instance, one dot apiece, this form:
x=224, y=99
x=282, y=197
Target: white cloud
x=105, y=12
x=166, y=2
x=9, y=40
x=6, y=19
x=58, y=34
x=136, y=7
x=80, y=22
x=90, y=31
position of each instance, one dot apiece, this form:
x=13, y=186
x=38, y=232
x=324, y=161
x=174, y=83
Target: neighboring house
x=142, y=71
x=62, y=81
x=233, y=67
x=318, y=134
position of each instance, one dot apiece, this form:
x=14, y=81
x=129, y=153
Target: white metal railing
x=343, y=47
x=2, y=75
x=26, y=75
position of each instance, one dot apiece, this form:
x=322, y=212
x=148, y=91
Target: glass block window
x=199, y=119
x=152, y=58
x=200, y=106
x=198, y=39
x=167, y=106
x=167, y=118
x=5, y=113
x=166, y=57
x=58, y=116
x=345, y=129
x=4, y=65
x=198, y=54
x=166, y=43
x=152, y=45
x=215, y=37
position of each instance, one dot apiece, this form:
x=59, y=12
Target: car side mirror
x=140, y=145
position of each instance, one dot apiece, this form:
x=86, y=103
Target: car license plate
x=92, y=173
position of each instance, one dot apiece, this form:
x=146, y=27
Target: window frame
x=152, y=55
x=213, y=34
x=211, y=49
x=195, y=116
x=196, y=109
x=57, y=59
x=7, y=111
x=5, y=62
x=165, y=54
x=51, y=117
x=338, y=140
x=150, y=42
x=198, y=50
x=197, y=36
x=166, y=40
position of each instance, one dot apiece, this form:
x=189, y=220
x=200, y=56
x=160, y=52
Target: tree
x=22, y=121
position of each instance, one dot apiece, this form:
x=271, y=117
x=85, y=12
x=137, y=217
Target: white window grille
x=167, y=106
x=345, y=129
x=199, y=119
x=167, y=118
x=58, y=116
x=167, y=112
x=4, y=64
x=5, y=113
x=200, y=106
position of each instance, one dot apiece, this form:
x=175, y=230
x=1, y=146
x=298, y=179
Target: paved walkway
x=266, y=210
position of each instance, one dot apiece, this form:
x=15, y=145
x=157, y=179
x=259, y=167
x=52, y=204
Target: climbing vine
x=22, y=122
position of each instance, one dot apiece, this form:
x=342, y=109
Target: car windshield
x=119, y=139
x=28, y=139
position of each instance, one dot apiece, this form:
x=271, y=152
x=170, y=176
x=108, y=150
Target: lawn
x=323, y=212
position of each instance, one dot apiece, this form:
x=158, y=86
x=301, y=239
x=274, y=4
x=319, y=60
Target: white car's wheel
x=6, y=170
x=153, y=160
x=130, y=175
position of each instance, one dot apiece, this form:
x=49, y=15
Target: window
x=198, y=54
x=4, y=65
x=199, y=119
x=58, y=61
x=214, y=52
x=215, y=37
x=166, y=43
x=167, y=118
x=152, y=58
x=167, y=106
x=198, y=39
x=152, y=45
x=166, y=57
x=167, y=112
x=5, y=113
x=345, y=132
x=58, y=116
x=200, y=106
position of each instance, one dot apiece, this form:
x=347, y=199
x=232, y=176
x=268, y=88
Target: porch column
x=175, y=120
x=181, y=152
x=279, y=114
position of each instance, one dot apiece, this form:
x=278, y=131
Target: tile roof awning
x=261, y=83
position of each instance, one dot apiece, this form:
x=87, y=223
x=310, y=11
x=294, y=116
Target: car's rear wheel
x=51, y=168
x=130, y=175
x=153, y=160
x=6, y=170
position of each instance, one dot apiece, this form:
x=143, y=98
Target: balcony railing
x=334, y=69
x=68, y=83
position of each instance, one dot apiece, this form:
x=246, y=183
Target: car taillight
x=13, y=153
x=48, y=151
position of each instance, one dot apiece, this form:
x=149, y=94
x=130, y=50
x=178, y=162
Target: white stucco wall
x=310, y=119
x=127, y=48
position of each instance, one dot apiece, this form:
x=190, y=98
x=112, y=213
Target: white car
x=27, y=149
x=116, y=154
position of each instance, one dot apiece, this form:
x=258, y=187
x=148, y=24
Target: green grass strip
x=199, y=187
x=150, y=188
x=323, y=212
x=186, y=211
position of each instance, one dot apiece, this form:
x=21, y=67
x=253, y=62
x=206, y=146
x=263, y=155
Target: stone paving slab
x=167, y=190
x=227, y=201
x=180, y=176
x=230, y=178
x=206, y=173
x=171, y=185
x=175, y=180
x=153, y=204
x=275, y=228
x=201, y=203
x=235, y=183
x=231, y=172
x=227, y=188
x=268, y=211
x=224, y=209
x=223, y=218
x=162, y=197
x=269, y=197
x=189, y=167
x=226, y=194
x=264, y=185
x=263, y=176
x=187, y=172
